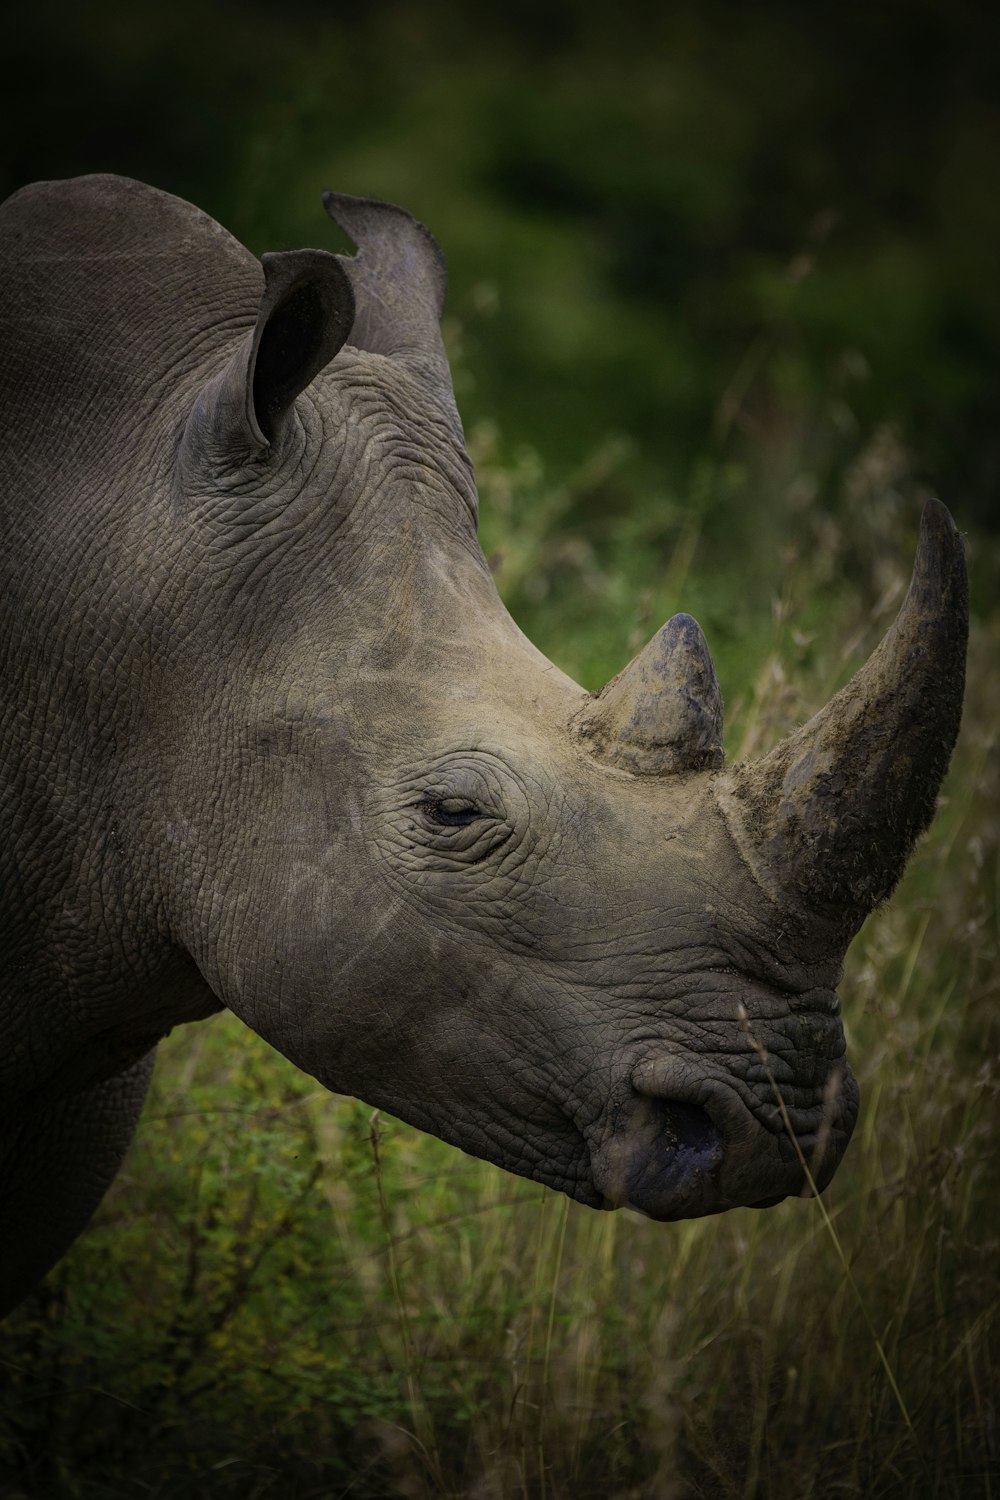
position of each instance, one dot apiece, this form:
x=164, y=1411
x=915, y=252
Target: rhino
x=272, y=743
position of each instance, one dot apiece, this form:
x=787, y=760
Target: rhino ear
x=399, y=280
x=398, y=275
x=305, y=318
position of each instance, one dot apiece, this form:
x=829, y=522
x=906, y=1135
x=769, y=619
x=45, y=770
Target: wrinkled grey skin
x=271, y=742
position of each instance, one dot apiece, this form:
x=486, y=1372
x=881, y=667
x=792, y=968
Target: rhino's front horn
x=827, y=818
x=663, y=713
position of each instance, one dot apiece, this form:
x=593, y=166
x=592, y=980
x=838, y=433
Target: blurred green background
x=695, y=225
x=724, y=307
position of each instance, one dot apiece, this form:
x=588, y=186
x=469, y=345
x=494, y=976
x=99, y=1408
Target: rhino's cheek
x=458, y=1044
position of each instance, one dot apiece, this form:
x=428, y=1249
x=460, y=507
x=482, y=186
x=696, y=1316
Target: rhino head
x=353, y=803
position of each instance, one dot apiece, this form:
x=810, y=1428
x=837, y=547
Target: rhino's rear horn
x=828, y=817
x=663, y=713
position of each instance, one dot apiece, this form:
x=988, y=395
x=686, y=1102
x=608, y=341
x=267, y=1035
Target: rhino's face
x=433, y=871
x=554, y=964
x=603, y=1002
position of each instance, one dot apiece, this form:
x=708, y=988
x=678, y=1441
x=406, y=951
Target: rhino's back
x=115, y=294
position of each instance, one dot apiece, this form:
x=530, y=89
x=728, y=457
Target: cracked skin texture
x=270, y=741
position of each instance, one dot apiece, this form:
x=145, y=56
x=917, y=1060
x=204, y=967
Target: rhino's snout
x=670, y=1157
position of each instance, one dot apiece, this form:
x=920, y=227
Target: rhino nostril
x=665, y=1154
x=691, y=1131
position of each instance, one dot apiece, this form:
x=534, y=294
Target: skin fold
x=271, y=742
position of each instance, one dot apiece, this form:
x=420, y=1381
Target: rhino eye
x=451, y=812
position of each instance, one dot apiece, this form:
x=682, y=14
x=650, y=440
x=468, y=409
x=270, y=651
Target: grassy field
x=285, y=1296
